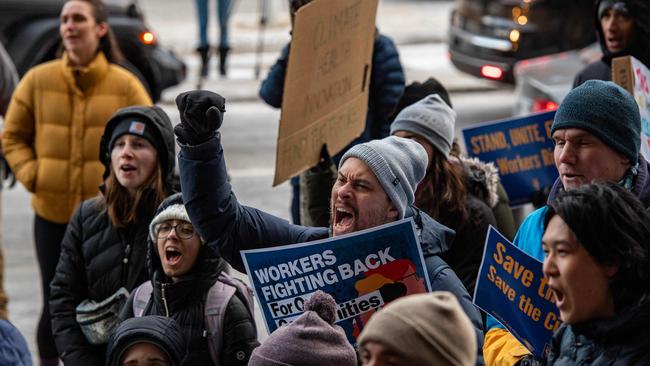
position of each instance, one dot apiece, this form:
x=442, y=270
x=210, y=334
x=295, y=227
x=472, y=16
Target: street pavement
x=250, y=128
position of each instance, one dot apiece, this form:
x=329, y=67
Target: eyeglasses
x=184, y=230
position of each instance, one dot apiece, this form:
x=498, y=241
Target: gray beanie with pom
x=312, y=339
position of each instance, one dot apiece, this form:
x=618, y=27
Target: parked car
x=543, y=82
x=487, y=37
x=29, y=29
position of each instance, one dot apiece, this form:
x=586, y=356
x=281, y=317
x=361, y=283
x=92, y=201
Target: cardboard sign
x=634, y=76
x=363, y=271
x=522, y=150
x=325, y=96
x=512, y=288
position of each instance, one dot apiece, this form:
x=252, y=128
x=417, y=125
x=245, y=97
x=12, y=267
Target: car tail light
x=540, y=105
x=491, y=72
x=147, y=38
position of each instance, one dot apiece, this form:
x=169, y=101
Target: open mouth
x=558, y=296
x=344, y=218
x=127, y=168
x=172, y=256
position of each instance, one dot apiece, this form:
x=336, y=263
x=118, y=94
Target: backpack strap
x=141, y=297
x=216, y=303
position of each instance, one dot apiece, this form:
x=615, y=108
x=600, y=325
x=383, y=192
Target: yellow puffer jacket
x=502, y=348
x=55, y=120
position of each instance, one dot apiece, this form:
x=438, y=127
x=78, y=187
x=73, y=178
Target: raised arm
x=222, y=222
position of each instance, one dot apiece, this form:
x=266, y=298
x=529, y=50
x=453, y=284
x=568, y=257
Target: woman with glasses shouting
x=104, y=249
x=190, y=283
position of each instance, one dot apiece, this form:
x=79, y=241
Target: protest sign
x=633, y=76
x=512, y=288
x=522, y=150
x=325, y=96
x=362, y=271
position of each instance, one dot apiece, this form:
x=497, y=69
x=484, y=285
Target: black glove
x=201, y=114
x=530, y=360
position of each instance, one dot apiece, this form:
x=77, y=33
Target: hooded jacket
x=616, y=341
x=163, y=332
x=184, y=301
x=640, y=47
x=53, y=125
x=97, y=258
x=499, y=343
x=229, y=227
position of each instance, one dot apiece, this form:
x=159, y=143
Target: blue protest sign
x=521, y=148
x=362, y=271
x=512, y=288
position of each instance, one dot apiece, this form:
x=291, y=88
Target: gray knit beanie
x=605, y=110
x=430, y=118
x=311, y=340
x=398, y=163
x=424, y=329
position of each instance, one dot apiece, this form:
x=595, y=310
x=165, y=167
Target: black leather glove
x=201, y=115
x=530, y=360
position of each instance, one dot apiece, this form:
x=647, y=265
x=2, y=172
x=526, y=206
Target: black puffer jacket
x=184, y=301
x=622, y=340
x=640, y=47
x=97, y=258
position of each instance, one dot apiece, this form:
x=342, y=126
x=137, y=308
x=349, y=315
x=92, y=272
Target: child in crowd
x=148, y=340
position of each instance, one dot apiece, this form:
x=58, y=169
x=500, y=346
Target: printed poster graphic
x=522, y=150
x=512, y=288
x=634, y=76
x=363, y=271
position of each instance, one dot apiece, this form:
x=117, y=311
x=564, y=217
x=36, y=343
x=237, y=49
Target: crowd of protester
x=136, y=270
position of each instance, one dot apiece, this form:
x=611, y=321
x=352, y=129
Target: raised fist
x=201, y=115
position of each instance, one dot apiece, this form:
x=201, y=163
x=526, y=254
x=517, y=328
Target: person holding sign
x=622, y=29
x=442, y=193
x=386, y=86
x=375, y=185
x=596, y=132
x=597, y=248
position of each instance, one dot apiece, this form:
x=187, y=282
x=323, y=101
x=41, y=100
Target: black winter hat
x=160, y=331
x=151, y=123
x=605, y=110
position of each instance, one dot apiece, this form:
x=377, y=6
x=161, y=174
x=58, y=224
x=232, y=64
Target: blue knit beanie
x=605, y=110
x=398, y=163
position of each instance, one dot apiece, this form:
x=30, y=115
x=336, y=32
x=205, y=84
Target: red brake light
x=540, y=105
x=491, y=72
x=147, y=38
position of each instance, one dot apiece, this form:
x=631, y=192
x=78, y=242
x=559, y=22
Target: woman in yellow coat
x=52, y=131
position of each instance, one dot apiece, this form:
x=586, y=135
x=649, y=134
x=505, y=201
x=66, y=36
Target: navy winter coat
x=219, y=218
x=622, y=340
x=386, y=87
x=13, y=347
